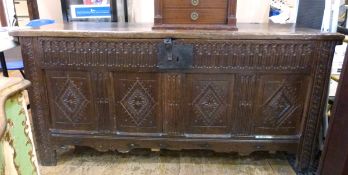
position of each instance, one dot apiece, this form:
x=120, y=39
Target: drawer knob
x=194, y=2
x=194, y=16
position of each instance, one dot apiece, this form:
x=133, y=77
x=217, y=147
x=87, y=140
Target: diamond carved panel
x=71, y=101
x=209, y=99
x=280, y=107
x=208, y=104
x=138, y=103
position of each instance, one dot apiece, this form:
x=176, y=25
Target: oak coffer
x=119, y=87
x=195, y=14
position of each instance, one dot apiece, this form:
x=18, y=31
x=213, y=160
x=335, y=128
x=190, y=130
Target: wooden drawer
x=184, y=16
x=195, y=14
x=209, y=4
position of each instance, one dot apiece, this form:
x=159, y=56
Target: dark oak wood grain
x=261, y=89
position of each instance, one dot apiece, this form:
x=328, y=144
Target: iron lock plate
x=174, y=56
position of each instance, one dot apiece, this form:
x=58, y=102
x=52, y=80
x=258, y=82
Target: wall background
x=50, y=9
x=248, y=11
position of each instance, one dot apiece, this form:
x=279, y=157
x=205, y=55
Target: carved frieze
x=90, y=53
x=282, y=56
x=253, y=55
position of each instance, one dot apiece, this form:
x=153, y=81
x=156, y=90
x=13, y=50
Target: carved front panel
x=208, y=100
x=280, y=104
x=137, y=103
x=71, y=100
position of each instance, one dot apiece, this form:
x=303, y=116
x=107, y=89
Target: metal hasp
x=174, y=56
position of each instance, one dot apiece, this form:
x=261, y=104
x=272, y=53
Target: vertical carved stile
x=242, y=123
x=309, y=146
x=38, y=102
x=173, y=108
x=102, y=100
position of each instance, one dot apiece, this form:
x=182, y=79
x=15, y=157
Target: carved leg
x=38, y=103
x=309, y=147
x=47, y=157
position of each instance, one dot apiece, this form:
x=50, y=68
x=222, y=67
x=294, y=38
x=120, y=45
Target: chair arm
x=8, y=87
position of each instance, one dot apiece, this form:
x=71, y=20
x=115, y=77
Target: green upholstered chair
x=17, y=155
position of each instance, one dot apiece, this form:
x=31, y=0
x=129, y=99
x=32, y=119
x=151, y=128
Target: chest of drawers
x=195, y=14
x=120, y=87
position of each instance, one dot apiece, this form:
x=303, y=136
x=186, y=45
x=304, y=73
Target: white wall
x=9, y=11
x=253, y=11
x=141, y=11
x=50, y=9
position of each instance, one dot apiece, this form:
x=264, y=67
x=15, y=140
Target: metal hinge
x=168, y=44
x=172, y=55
